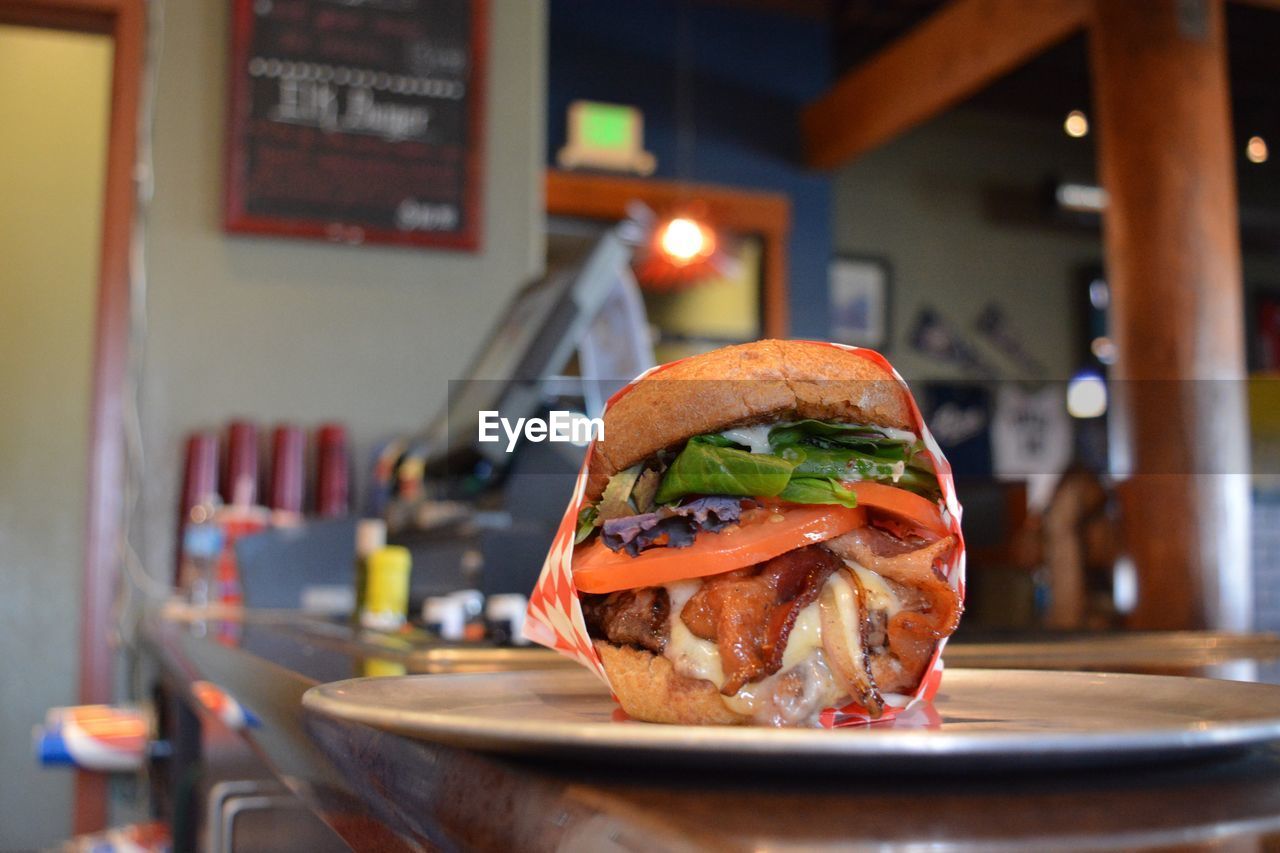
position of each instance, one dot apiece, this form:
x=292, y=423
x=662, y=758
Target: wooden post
x=1173, y=261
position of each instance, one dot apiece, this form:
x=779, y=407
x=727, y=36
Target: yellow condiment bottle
x=371, y=534
x=386, y=598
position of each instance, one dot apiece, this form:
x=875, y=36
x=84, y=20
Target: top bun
x=739, y=386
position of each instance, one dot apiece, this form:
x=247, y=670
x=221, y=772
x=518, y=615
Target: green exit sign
x=606, y=136
x=608, y=126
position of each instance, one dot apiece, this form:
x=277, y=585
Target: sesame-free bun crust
x=739, y=386
x=649, y=689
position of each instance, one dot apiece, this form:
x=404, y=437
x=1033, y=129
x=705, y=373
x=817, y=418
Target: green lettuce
x=853, y=452
x=869, y=439
x=707, y=467
x=811, y=490
x=588, y=520
x=847, y=464
x=703, y=468
x=809, y=464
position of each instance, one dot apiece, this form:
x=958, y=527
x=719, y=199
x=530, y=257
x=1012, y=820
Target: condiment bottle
x=371, y=534
x=386, y=602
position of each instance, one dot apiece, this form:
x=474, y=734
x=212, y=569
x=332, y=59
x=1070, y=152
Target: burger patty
x=630, y=617
x=747, y=613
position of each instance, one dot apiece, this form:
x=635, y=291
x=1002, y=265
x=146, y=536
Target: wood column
x=1173, y=261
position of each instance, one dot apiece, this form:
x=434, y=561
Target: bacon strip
x=730, y=609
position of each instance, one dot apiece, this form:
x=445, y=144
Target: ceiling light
x=1103, y=349
x=1256, y=149
x=681, y=250
x=1076, y=124
x=1086, y=395
x=1099, y=294
x=1080, y=198
x=684, y=240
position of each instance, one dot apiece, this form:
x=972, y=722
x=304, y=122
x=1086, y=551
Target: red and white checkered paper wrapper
x=555, y=614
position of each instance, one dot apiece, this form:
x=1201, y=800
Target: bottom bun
x=649, y=689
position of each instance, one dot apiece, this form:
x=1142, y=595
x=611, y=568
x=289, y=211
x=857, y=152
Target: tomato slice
x=906, y=505
x=762, y=535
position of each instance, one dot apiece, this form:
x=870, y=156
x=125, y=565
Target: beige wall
x=54, y=102
x=919, y=202
x=282, y=329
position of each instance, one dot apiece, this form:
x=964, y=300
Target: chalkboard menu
x=357, y=120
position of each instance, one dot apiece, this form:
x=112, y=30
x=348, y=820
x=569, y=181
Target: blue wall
x=752, y=71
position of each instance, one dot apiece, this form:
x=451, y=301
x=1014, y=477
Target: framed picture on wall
x=858, y=287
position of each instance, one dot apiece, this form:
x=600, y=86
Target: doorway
x=55, y=91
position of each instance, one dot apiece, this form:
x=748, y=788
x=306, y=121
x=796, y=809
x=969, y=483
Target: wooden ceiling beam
x=948, y=57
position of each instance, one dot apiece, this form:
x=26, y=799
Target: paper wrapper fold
x=555, y=614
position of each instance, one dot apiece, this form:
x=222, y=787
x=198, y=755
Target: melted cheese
x=690, y=655
x=694, y=656
x=805, y=636
x=754, y=437
x=897, y=434
x=879, y=595
x=847, y=609
x=789, y=697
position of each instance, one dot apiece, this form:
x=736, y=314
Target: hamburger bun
x=648, y=688
x=740, y=386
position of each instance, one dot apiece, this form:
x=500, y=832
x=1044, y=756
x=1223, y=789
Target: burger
x=763, y=536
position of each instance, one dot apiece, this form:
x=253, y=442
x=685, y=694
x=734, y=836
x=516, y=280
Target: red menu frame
x=237, y=218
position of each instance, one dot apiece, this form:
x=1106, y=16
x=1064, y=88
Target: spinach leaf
x=706, y=468
x=809, y=462
x=848, y=464
x=834, y=435
x=809, y=490
x=856, y=452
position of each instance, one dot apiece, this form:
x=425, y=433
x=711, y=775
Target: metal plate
x=985, y=719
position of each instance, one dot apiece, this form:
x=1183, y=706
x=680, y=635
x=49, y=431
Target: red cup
x=333, y=472
x=288, y=474
x=240, y=482
x=199, y=480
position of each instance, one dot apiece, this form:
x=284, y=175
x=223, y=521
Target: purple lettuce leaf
x=636, y=533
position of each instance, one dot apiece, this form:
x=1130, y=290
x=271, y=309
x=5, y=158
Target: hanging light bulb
x=1076, y=124
x=1256, y=149
x=684, y=240
x=682, y=250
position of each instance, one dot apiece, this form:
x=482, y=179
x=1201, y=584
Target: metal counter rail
x=419, y=652
x=1172, y=650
